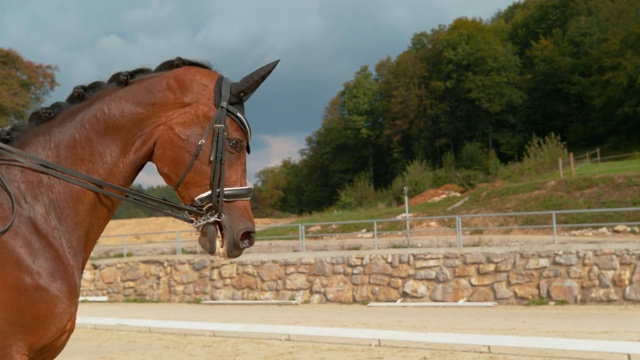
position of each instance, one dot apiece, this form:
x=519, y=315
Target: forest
x=467, y=101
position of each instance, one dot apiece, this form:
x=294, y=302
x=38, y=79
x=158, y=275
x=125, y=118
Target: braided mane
x=81, y=93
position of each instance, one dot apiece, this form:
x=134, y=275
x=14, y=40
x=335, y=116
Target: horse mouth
x=224, y=246
x=208, y=239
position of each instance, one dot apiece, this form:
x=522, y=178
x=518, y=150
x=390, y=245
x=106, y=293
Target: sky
x=321, y=44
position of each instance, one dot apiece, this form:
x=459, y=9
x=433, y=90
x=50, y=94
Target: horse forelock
x=81, y=93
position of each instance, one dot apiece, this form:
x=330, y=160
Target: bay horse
x=63, y=175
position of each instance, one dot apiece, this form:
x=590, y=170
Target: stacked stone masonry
x=506, y=278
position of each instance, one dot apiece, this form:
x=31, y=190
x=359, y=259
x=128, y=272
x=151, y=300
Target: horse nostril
x=247, y=239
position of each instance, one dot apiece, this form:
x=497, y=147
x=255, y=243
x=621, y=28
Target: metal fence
x=469, y=230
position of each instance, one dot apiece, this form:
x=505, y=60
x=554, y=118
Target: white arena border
x=600, y=346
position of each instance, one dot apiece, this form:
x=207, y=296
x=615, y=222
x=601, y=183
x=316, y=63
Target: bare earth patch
x=156, y=224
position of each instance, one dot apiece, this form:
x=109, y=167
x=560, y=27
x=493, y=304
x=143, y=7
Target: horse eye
x=236, y=145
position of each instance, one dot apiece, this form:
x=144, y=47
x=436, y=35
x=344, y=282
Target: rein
x=5, y=187
x=136, y=197
x=207, y=206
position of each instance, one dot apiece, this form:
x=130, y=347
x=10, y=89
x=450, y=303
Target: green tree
x=580, y=60
x=23, y=85
x=359, y=100
x=344, y=146
x=127, y=210
x=615, y=86
x=268, y=193
x=409, y=110
x=529, y=21
x=456, y=84
x=479, y=74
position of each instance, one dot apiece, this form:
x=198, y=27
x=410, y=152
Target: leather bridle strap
x=212, y=201
x=218, y=123
x=217, y=157
x=4, y=187
x=165, y=207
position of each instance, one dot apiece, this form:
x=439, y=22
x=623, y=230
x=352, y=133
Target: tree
x=580, y=66
x=268, y=193
x=456, y=84
x=128, y=210
x=344, y=146
x=359, y=100
x=480, y=75
x=23, y=85
x=408, y=109
x=616, y=86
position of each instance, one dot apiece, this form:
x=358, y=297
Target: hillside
x=578, y=193
x=594, y=192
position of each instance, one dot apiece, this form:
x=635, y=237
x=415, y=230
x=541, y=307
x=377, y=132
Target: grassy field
x=608, y=168
x=594, y=186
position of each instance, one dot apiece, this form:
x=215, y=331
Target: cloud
x=273, y=150
x=149, y=177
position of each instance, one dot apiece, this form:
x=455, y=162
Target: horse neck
x=101, y=140
x=111, y=137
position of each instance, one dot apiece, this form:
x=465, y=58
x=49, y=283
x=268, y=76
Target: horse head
x=209, y=169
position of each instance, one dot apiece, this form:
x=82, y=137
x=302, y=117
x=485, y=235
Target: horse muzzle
x=230, y=244
x=233, y=241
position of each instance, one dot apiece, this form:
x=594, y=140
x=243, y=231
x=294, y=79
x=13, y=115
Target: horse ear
x=243, y=89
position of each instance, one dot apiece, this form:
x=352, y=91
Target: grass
x=140, y=300
x=122, y=255
x=399, y=246
x=608, y=185
x=537, y=302
x=608, y=168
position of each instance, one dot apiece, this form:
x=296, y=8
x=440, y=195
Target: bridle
x=205, y=209
x=212, y=201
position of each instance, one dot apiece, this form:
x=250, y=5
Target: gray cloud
x=321, y=44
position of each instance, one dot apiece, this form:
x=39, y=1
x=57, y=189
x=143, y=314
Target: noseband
x=211, y=202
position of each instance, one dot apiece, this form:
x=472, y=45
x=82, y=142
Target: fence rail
x=431, y=231
x=573, y=162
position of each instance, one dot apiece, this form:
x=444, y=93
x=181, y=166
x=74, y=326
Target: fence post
x=573, y=173
x=458, y=232
x=178, y=243
x=375, y=235
x=560, y=166
x=598, y=156
x=555, y=231
x=301, y=236
x=406, y=214
x=124, y=246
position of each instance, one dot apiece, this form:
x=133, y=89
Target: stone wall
x=507, y=277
